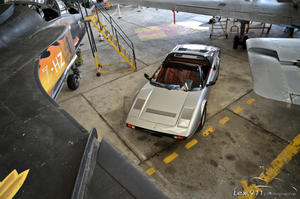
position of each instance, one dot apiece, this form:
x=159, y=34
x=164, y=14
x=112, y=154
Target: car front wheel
x=203, y=118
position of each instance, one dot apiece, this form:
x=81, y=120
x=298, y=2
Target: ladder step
x=109, y=37
x=89, y=18
x=116, y=43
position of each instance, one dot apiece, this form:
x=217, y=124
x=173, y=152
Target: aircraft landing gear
x=241, y=39
x=73, y=79
x=291, y=32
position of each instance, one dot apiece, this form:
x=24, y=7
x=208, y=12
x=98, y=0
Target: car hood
x=162, y=106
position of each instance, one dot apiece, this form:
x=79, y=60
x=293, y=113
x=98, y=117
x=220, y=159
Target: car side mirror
x=210, y=84
x=146, y=76
x=216, y=64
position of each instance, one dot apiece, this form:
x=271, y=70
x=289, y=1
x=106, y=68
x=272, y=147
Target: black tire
x=211, y=21
x=73, y=81
x=218, y=73
x=236, y=42
x=244, y=42
x=202, y=120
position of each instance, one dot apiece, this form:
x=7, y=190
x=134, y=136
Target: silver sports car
x=173, y=101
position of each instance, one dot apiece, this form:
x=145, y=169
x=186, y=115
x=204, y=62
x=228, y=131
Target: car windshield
x=172, y=75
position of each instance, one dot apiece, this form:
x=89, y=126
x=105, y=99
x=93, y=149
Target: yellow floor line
x=208, y=131
x=271, y=172
x=170, y=158
x=224, y=120
x=238, y=110
x=191, y=143
x=150, y=171
x=250, y=101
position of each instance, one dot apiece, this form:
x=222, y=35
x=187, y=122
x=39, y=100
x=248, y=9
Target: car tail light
x=130, y=126
x=179, y=137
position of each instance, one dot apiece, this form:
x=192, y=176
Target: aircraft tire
x=244, y=45
x=236, y=42
x=73, y=81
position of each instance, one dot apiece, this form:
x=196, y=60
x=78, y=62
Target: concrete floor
x=210, y=164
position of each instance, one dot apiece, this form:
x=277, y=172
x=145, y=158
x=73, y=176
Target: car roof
x=196, y=49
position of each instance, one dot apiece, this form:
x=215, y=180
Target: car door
x=214, y=71
x=215, y=67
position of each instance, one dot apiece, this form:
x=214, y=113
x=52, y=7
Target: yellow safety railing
x=113, y=40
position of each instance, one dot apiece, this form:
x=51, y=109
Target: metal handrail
x=114, y=24
x=116, y=30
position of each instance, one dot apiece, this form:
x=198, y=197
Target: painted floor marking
x=150, y=28
x=150, y=171
x=238, y=110
x=153, y=36
x=170, y=158
x=250, y=101
x=224, y=120
x=157, y=32
x=271, y=172
x=191, y=143
x=170, y=30
x=208, y=131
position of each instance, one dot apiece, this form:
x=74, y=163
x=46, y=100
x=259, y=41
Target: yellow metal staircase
x=115, y=37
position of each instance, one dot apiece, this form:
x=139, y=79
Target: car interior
x=175, y=72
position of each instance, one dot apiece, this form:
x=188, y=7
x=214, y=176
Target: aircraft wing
x=271, y=11
x=64, y=161
x=275, y=68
